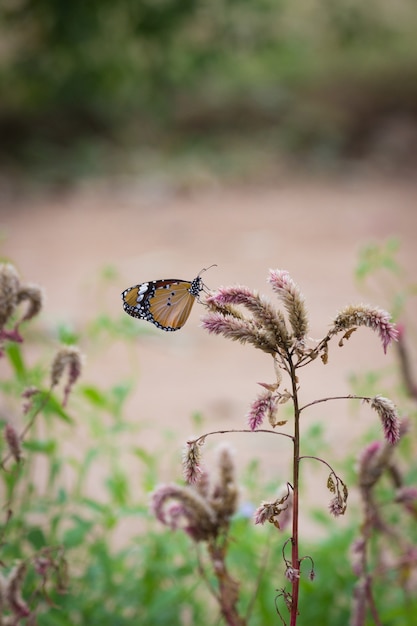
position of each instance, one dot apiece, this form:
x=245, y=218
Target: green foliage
x=126, y=72
x=122, y=568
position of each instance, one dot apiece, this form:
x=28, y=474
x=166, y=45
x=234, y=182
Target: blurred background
x=148, y=139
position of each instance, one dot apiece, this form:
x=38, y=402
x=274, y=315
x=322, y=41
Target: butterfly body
x=165, y=303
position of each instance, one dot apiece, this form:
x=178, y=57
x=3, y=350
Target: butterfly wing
x=171, y=305
x=165, y=303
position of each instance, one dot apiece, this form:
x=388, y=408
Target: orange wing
x=131, y=296
x=171, y=305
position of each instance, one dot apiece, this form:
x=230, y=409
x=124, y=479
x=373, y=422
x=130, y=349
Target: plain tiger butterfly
x=166, y=303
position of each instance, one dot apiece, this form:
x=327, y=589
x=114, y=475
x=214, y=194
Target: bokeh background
x=149, y=139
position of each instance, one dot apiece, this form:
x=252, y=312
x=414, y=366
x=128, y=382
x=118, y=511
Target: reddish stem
x=295, y=561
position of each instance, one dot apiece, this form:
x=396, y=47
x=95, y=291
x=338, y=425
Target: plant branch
x=241, y=430
x=347, y=397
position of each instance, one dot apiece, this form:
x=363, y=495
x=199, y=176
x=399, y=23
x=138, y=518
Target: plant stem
x=295, y=561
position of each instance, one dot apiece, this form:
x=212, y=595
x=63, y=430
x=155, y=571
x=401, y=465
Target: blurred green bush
x=140, y=70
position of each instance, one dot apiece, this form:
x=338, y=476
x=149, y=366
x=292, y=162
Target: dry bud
x=67, y=358
x=14, y=591
x=336, y=506
x=292, y=574
x=225, y=493
x=28, y=394
x=13, y=442
x=280, y=508
x=34, y=296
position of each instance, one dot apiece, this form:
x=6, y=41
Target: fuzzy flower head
x=182, y=507
x=264, y=317
x=292, y=299
x=203, y=510
x=265, y=405
x=366, y=315
x=370, y=464
x=9, y=289
x=224, y=495
x=264, y=328
x=389, y=417
x=191, y=461
x=12, y=293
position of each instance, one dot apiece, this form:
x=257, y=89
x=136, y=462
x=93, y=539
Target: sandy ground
x=312, y=229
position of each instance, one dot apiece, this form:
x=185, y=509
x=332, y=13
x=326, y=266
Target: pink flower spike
x=366, y=315
x=388, y=413
x=231, y=295
x=260, y=407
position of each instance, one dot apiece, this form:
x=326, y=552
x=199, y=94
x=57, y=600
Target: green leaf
x=76, y=535
x=150, y=477
x=66, y=334
x=120, y=393
x=94, y=505
x=14, y=354
x=36, y=537
x=109, y=273
x=45, y=446
x=54, y=407
x=118, y=487
x=96, y=397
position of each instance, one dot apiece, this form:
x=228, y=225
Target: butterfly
x=166, y=303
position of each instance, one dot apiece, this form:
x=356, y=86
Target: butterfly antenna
x=205, y=288
x=207, y=268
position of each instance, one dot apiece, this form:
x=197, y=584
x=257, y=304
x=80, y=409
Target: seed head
x=366, y=315
x=191, y=460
